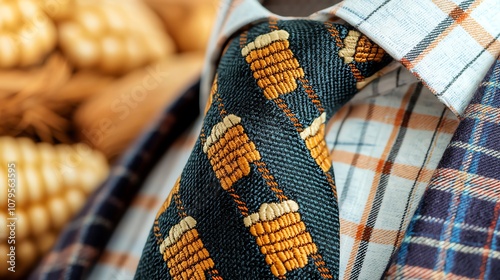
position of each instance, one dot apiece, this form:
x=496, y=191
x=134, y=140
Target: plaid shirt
x=387, y=142
x=457, y=225
x=384, y=150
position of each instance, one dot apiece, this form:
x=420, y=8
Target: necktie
x=257, y=198
x=455, y=231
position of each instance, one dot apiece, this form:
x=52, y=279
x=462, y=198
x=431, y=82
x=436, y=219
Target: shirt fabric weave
x=455, y=232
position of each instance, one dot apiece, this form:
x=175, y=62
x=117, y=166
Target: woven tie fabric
x=257, y=198
x=455, y=233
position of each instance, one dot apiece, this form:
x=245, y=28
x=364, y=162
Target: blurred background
x=79, y=81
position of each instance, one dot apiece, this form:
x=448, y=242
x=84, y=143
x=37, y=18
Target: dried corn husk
x=112, y=119
x=27, y=34
x=189, y=22
x=37, y=102
x=113, y=36
x=52, y=183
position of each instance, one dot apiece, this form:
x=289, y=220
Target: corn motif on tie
x=257, y=198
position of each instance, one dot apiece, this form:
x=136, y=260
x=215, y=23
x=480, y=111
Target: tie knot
x=315, y=66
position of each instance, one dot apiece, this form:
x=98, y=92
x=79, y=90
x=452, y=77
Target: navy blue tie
x=257, y=198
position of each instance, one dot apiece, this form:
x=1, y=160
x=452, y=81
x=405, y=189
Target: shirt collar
x=448, y=44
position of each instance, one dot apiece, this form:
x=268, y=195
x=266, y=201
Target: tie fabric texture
x=455, y=233
x=257, y=198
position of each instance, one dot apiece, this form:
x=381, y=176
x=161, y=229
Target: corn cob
x=27, y=34
x=113, y=36
x=52, y=183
